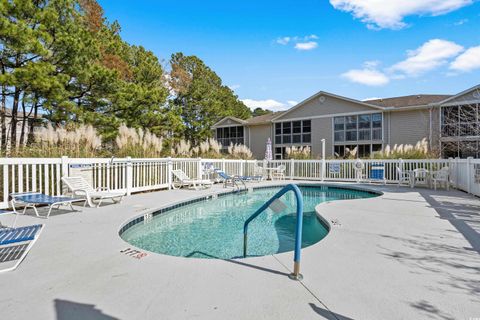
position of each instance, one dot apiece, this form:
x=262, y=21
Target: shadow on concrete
x=68, y=310
x=249, y=265
x=464, y=215
x=430, y=310
x=439, y=254
x=327, y=314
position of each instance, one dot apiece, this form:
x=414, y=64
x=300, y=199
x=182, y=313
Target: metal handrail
x=298, y=230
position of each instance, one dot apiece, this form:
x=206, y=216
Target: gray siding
x=258, y=139
x=322, y=129
x=408, y=127
x=330, y=106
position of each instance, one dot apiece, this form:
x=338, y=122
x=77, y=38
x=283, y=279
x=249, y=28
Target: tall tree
x=201, y=97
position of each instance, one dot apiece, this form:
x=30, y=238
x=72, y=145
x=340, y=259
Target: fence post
x=324, y=165
x=469, y=174
x=452, y=176
x=169, y=172
x=223, y=164
x=129, y=176
x=292, y=168
x=64, y=172
x=199, y=169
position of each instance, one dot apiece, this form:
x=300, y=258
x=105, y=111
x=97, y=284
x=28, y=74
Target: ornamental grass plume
x=137, y=143
x=182, y=149
x=298, y=153
x=239, y=151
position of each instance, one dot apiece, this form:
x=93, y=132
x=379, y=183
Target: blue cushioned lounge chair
x=15, y=244
x=233, y=180
x=32, y=199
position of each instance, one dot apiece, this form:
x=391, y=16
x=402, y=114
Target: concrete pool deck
x=408, y=254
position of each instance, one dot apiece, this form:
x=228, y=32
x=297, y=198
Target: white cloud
x=269, y=104
x=299, y=43
x=283, y=40
x=427, y=57
x=234, y=87
x=467, y=61
x=369, y=75
x=292, y=102
x=304, y=46
x=390, y=13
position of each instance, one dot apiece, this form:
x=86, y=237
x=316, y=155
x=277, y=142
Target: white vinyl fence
x=136, y=175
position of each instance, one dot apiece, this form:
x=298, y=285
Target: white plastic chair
x=420, y=177
x=441, y=176
x=403, y=177
x=80, y=187
x=279, y=173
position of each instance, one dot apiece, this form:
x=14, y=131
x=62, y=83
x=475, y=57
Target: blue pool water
x=213, y=228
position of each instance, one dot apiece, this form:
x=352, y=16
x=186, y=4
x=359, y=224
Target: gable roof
x=477, y=87
x=409, y=101
x=328, y=94
x=231, y=118
x=266, y=118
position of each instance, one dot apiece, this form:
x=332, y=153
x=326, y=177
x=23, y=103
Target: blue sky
x=276, y=53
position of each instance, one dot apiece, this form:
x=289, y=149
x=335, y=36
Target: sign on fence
x=334, y=168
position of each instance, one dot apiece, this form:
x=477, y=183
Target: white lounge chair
x=15, y=244
x=185, y=181
x=80, y=187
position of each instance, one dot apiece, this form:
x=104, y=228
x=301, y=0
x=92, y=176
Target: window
x=295, y=132
x=297, y=127
x=363, y=134
x=364, y=121
x=339, y=136
x=228, y=135
x=339, y=123
x=351, y=123
x=351, y=135
x=363, y=127
x=307, y=126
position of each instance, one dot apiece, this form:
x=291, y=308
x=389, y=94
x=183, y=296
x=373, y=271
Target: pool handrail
x=298, y=230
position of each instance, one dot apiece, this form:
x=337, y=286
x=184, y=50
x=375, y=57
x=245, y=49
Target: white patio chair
x=184, y=180
x=403, y=177
x=279, y=173
x=80, y=187
x=420, y=177
x=260, y=173
x=441, y=177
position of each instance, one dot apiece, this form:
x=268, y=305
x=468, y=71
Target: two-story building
x=450, y=123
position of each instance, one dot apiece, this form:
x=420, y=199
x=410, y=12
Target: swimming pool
x=213, y=228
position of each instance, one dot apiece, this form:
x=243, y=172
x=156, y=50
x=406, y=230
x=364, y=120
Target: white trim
x=460, y=103
x=331, y=115
x=240, y=121
x=330, y=95
x=477, y=87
